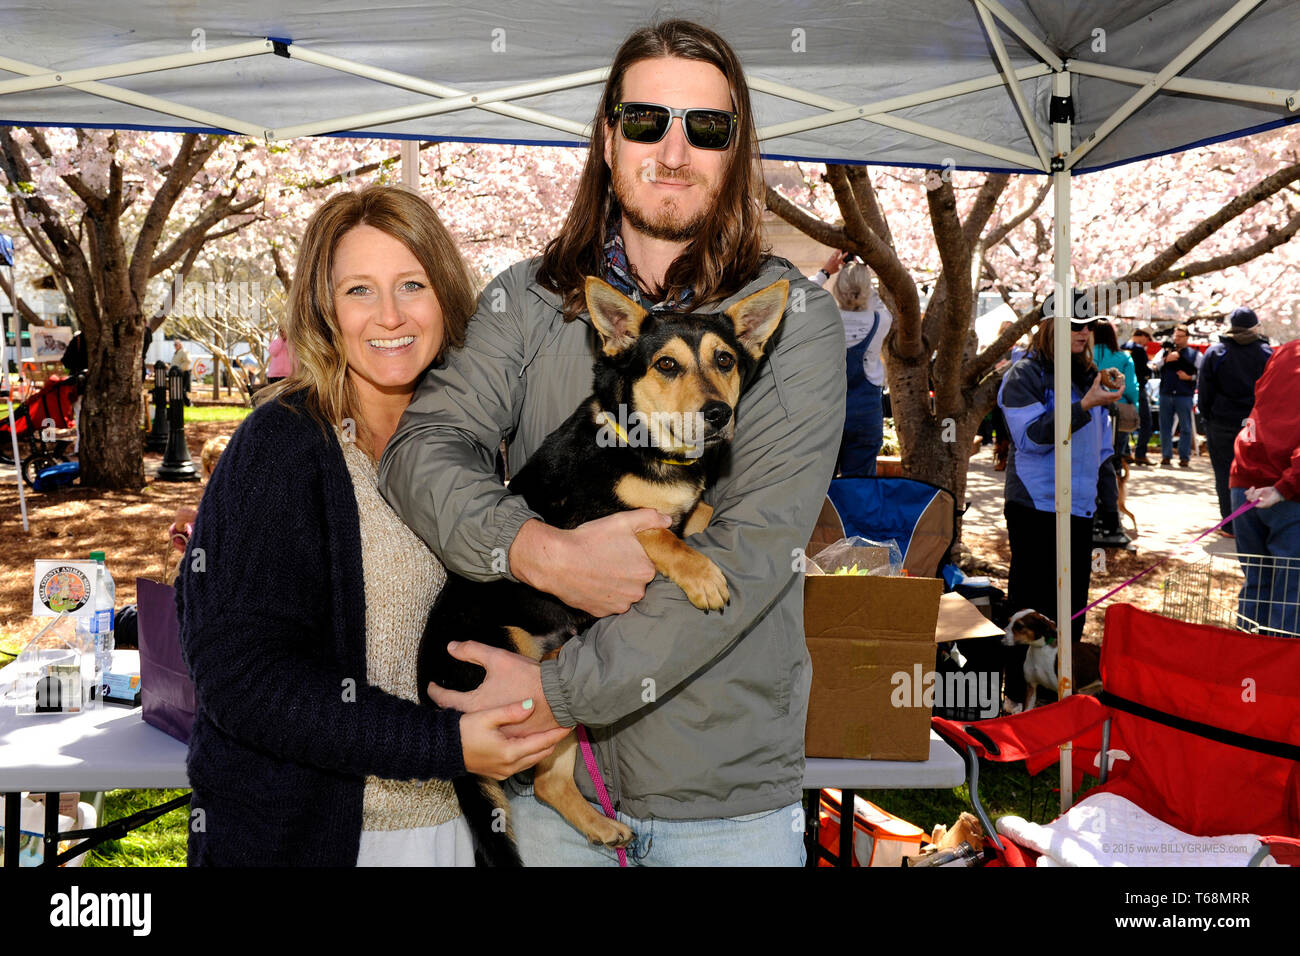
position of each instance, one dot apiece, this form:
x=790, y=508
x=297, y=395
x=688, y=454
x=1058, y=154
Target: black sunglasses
x=649, y=122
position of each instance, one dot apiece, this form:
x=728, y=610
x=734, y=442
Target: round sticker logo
x=64, y=589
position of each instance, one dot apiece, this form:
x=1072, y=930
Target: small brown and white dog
x=1038, y=634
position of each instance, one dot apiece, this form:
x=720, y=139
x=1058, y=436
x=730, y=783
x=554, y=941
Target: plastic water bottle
x=92, y=642
x=105, y=609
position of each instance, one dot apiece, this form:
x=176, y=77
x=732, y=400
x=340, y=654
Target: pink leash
x=1242, y=510
x=589, y=758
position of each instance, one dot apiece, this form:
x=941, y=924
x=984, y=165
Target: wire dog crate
x=1246, y=592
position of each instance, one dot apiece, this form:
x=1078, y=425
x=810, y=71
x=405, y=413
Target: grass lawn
x=216, y=413
x=159, y=843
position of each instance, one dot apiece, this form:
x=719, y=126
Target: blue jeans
x=1268, y=540
x=1180, y=405
x=864, y=431
x=766, y=838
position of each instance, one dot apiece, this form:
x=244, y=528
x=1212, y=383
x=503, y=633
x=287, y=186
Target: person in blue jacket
x=1027, y=400
x=1107, y=354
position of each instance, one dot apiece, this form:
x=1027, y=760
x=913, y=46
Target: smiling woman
x=303, y=596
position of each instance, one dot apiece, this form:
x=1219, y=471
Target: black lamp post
x=176, y=465
x=157, y=440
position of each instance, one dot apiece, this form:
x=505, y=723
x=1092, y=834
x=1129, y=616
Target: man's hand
x=1186, y=376
x=488, y=749
x=510, y=678
x=1265, y=497
x=598, y=567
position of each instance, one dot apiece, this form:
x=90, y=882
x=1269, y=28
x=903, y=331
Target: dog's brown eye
x=726, y=361
x=666, y=365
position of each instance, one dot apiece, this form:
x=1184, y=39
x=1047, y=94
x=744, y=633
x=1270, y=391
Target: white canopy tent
x=1028, y=86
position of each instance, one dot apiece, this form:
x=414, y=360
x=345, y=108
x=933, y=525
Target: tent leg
x=1063, y=298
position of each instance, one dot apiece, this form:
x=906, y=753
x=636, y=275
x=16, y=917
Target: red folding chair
x=1207, y=721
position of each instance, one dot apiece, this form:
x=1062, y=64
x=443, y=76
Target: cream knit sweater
x=402, y=579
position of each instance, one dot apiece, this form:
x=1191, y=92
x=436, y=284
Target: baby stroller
x=45, y=425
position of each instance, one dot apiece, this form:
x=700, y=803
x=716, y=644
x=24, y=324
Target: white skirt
x=447, y=844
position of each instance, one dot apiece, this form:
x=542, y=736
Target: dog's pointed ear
x=757, y=316
x=616, y=317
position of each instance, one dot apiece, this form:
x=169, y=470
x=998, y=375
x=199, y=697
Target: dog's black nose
x=717, y=414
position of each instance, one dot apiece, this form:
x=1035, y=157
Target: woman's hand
x=833, y=263
x=1100, y=395
x=598, y=567
x=488, y=752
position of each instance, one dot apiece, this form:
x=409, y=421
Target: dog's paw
x=610, y=833
x=706, y=586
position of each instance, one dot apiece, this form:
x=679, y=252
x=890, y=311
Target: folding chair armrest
x=1286, y=850
x=1028, y=734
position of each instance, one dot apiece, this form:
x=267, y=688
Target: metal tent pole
x=1063, y=297
x=16, y=323
x=410, y=153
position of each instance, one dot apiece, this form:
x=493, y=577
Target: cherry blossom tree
x=107, y=211
x=138, y=227
x=1211, y=223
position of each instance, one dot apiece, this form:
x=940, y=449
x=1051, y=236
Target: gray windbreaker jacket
x=692, y=715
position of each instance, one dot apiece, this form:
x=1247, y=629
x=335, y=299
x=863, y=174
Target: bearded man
x=697, y=719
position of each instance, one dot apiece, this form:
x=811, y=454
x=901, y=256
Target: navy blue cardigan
x=273, y=617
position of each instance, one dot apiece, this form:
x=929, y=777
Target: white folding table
x=113, y=748
x=943, y=769
x=107, y=749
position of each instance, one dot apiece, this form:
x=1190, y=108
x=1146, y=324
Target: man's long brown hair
x=727, y=250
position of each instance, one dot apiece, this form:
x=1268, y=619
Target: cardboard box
x=861, y=632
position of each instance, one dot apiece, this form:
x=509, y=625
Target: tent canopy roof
x=803, y=61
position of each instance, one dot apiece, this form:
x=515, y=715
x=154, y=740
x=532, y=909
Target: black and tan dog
x=651, y=435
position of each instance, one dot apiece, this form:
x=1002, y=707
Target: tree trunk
x=112, y=449
x=933, y=448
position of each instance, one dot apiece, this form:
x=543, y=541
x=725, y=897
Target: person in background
x=1027, y=400
x=1266, y=470
x=1137, y=350
x=1108, y=354
x=181, y=360
x=866, y=323
x=281, y=362
x=1178, y=364
x=1226, y=387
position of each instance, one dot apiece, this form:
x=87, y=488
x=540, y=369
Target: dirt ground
x=129, y=527
x=1171, y=507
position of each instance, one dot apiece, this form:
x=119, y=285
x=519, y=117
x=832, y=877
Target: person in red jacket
x=1266, y=470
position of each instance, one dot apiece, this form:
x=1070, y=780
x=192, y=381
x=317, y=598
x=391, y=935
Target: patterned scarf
x=618, y=273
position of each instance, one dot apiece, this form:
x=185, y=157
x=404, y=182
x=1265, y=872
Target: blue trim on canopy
x=1207, y=141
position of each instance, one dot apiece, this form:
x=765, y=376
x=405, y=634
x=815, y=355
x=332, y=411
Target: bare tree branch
x=19, y=303
x=1161, y=264
x=811, y=226
x=1267, y=243
x=1000, y=232
x=286, y=281
x=955, y=253
x=868, y=203
x=190, y=157
x=985, y=202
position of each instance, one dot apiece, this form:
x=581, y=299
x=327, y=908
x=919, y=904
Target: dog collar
x=605, y=418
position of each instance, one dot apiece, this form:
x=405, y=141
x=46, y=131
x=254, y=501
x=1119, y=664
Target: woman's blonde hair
x=311, y=325
x=853, y=287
